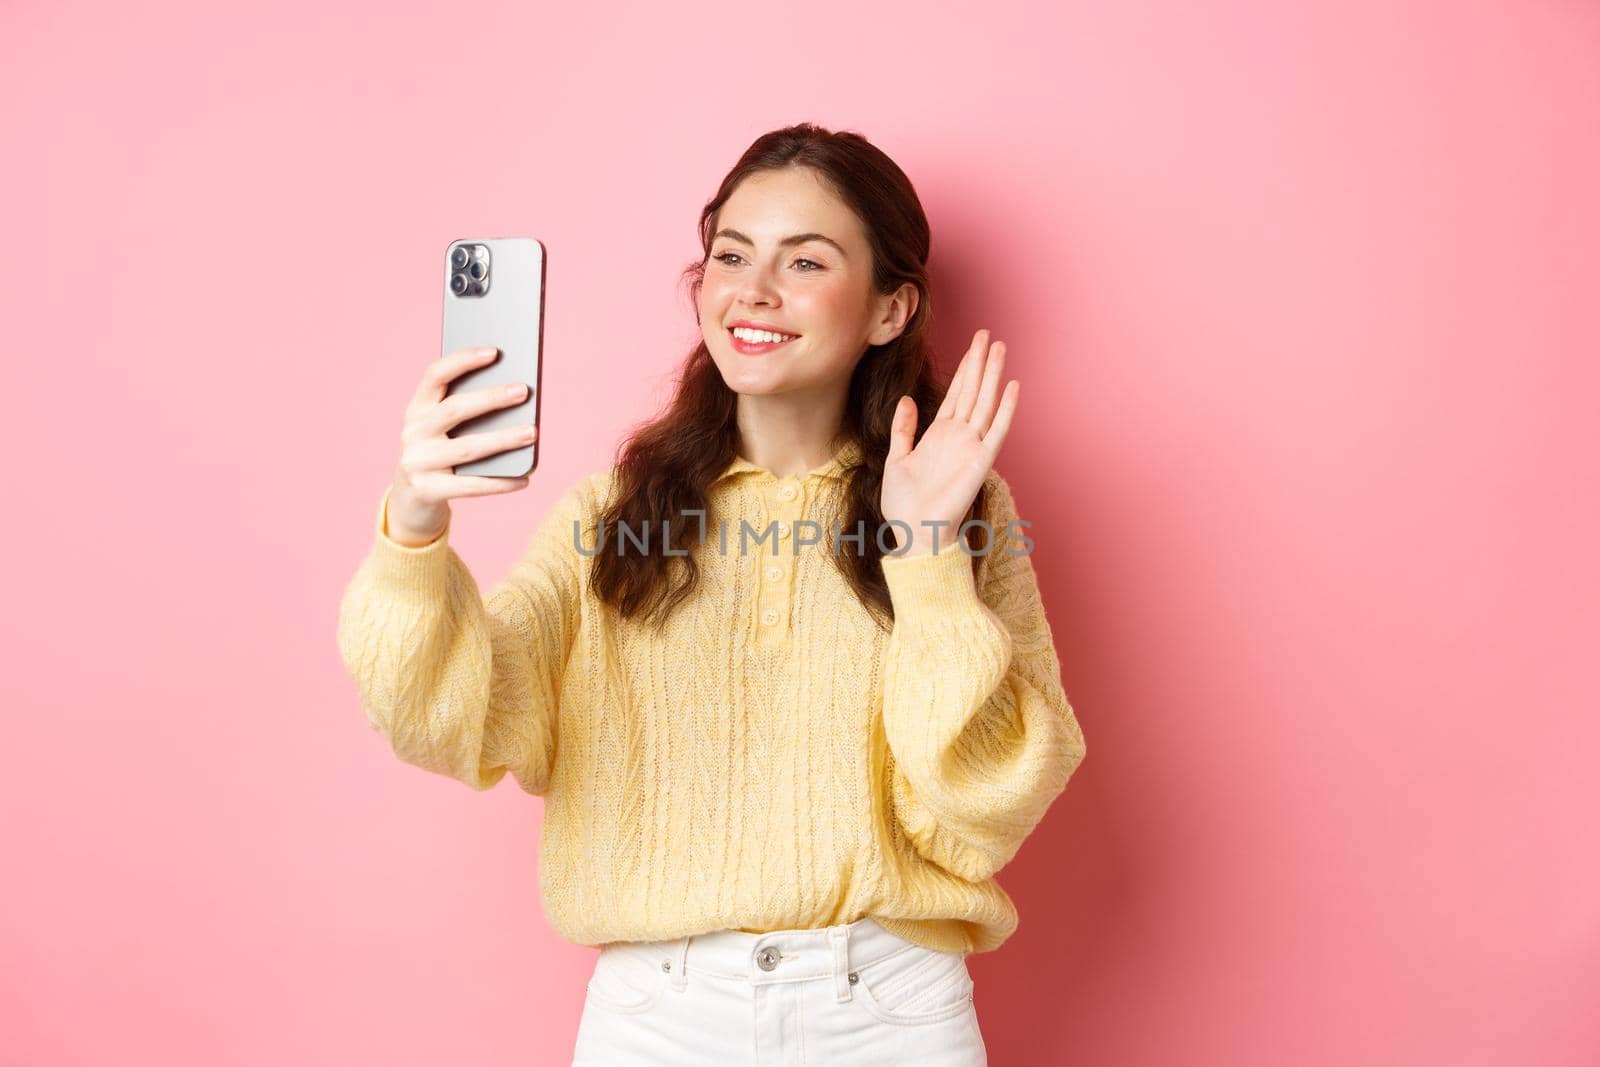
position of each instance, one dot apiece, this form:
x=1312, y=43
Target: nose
x=758, y=289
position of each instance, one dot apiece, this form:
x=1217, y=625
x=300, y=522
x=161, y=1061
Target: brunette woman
x=781, y=672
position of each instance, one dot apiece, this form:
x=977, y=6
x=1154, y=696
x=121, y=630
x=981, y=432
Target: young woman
x=788, y=716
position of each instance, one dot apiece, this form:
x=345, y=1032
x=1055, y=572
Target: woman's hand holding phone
x=424, y=484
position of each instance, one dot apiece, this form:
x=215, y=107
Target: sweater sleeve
x=459, y=683
x=982, y=736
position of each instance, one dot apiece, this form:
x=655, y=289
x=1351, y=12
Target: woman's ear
x=893, y=312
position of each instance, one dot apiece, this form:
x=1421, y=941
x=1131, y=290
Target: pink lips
x=749, y=349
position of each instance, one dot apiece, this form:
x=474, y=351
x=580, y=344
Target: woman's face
x=818, y=289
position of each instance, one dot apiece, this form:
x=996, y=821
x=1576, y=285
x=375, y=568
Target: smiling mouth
x=756, y=348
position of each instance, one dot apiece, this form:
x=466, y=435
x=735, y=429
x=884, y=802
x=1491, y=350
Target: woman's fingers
x=902, y=430
x=996, y=434
x=438, y=375
x=988, y=392
x=968, y=399
x=473, y=485
x=425, y=479
x=971, y=360
x=440, y=453
x=446, y=486
x=450, y=412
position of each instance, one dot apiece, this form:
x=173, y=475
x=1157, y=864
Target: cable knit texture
x=769, y=759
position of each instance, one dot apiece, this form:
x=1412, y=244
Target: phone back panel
x=509, y=314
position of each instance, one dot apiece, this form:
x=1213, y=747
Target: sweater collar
x=836, y=468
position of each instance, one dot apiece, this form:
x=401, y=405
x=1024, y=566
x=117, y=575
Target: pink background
x=1303, y=301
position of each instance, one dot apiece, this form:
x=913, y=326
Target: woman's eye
x=811, y=265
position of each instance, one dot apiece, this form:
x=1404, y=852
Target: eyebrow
x=796, y=239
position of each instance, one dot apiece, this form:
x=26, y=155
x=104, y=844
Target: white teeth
x=760, y=336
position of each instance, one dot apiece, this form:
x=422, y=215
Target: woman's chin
x=745, y=375
x=754, y=385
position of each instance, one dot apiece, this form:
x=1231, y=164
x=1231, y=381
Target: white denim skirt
x=839, y=995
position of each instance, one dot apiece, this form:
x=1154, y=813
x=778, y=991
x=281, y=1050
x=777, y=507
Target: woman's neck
x=787, y=435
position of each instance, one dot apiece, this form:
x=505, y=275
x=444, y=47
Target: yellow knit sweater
x=771, y=759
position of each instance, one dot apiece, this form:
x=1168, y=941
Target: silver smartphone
x=494, y=295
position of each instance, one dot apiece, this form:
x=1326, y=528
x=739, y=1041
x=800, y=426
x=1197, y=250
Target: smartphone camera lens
x=469, y=269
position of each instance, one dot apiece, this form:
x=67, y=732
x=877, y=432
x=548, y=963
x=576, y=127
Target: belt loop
x=839, y=941
x=680, y=973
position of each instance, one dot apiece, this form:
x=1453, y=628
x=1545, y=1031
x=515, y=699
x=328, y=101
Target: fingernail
x=485, y=351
